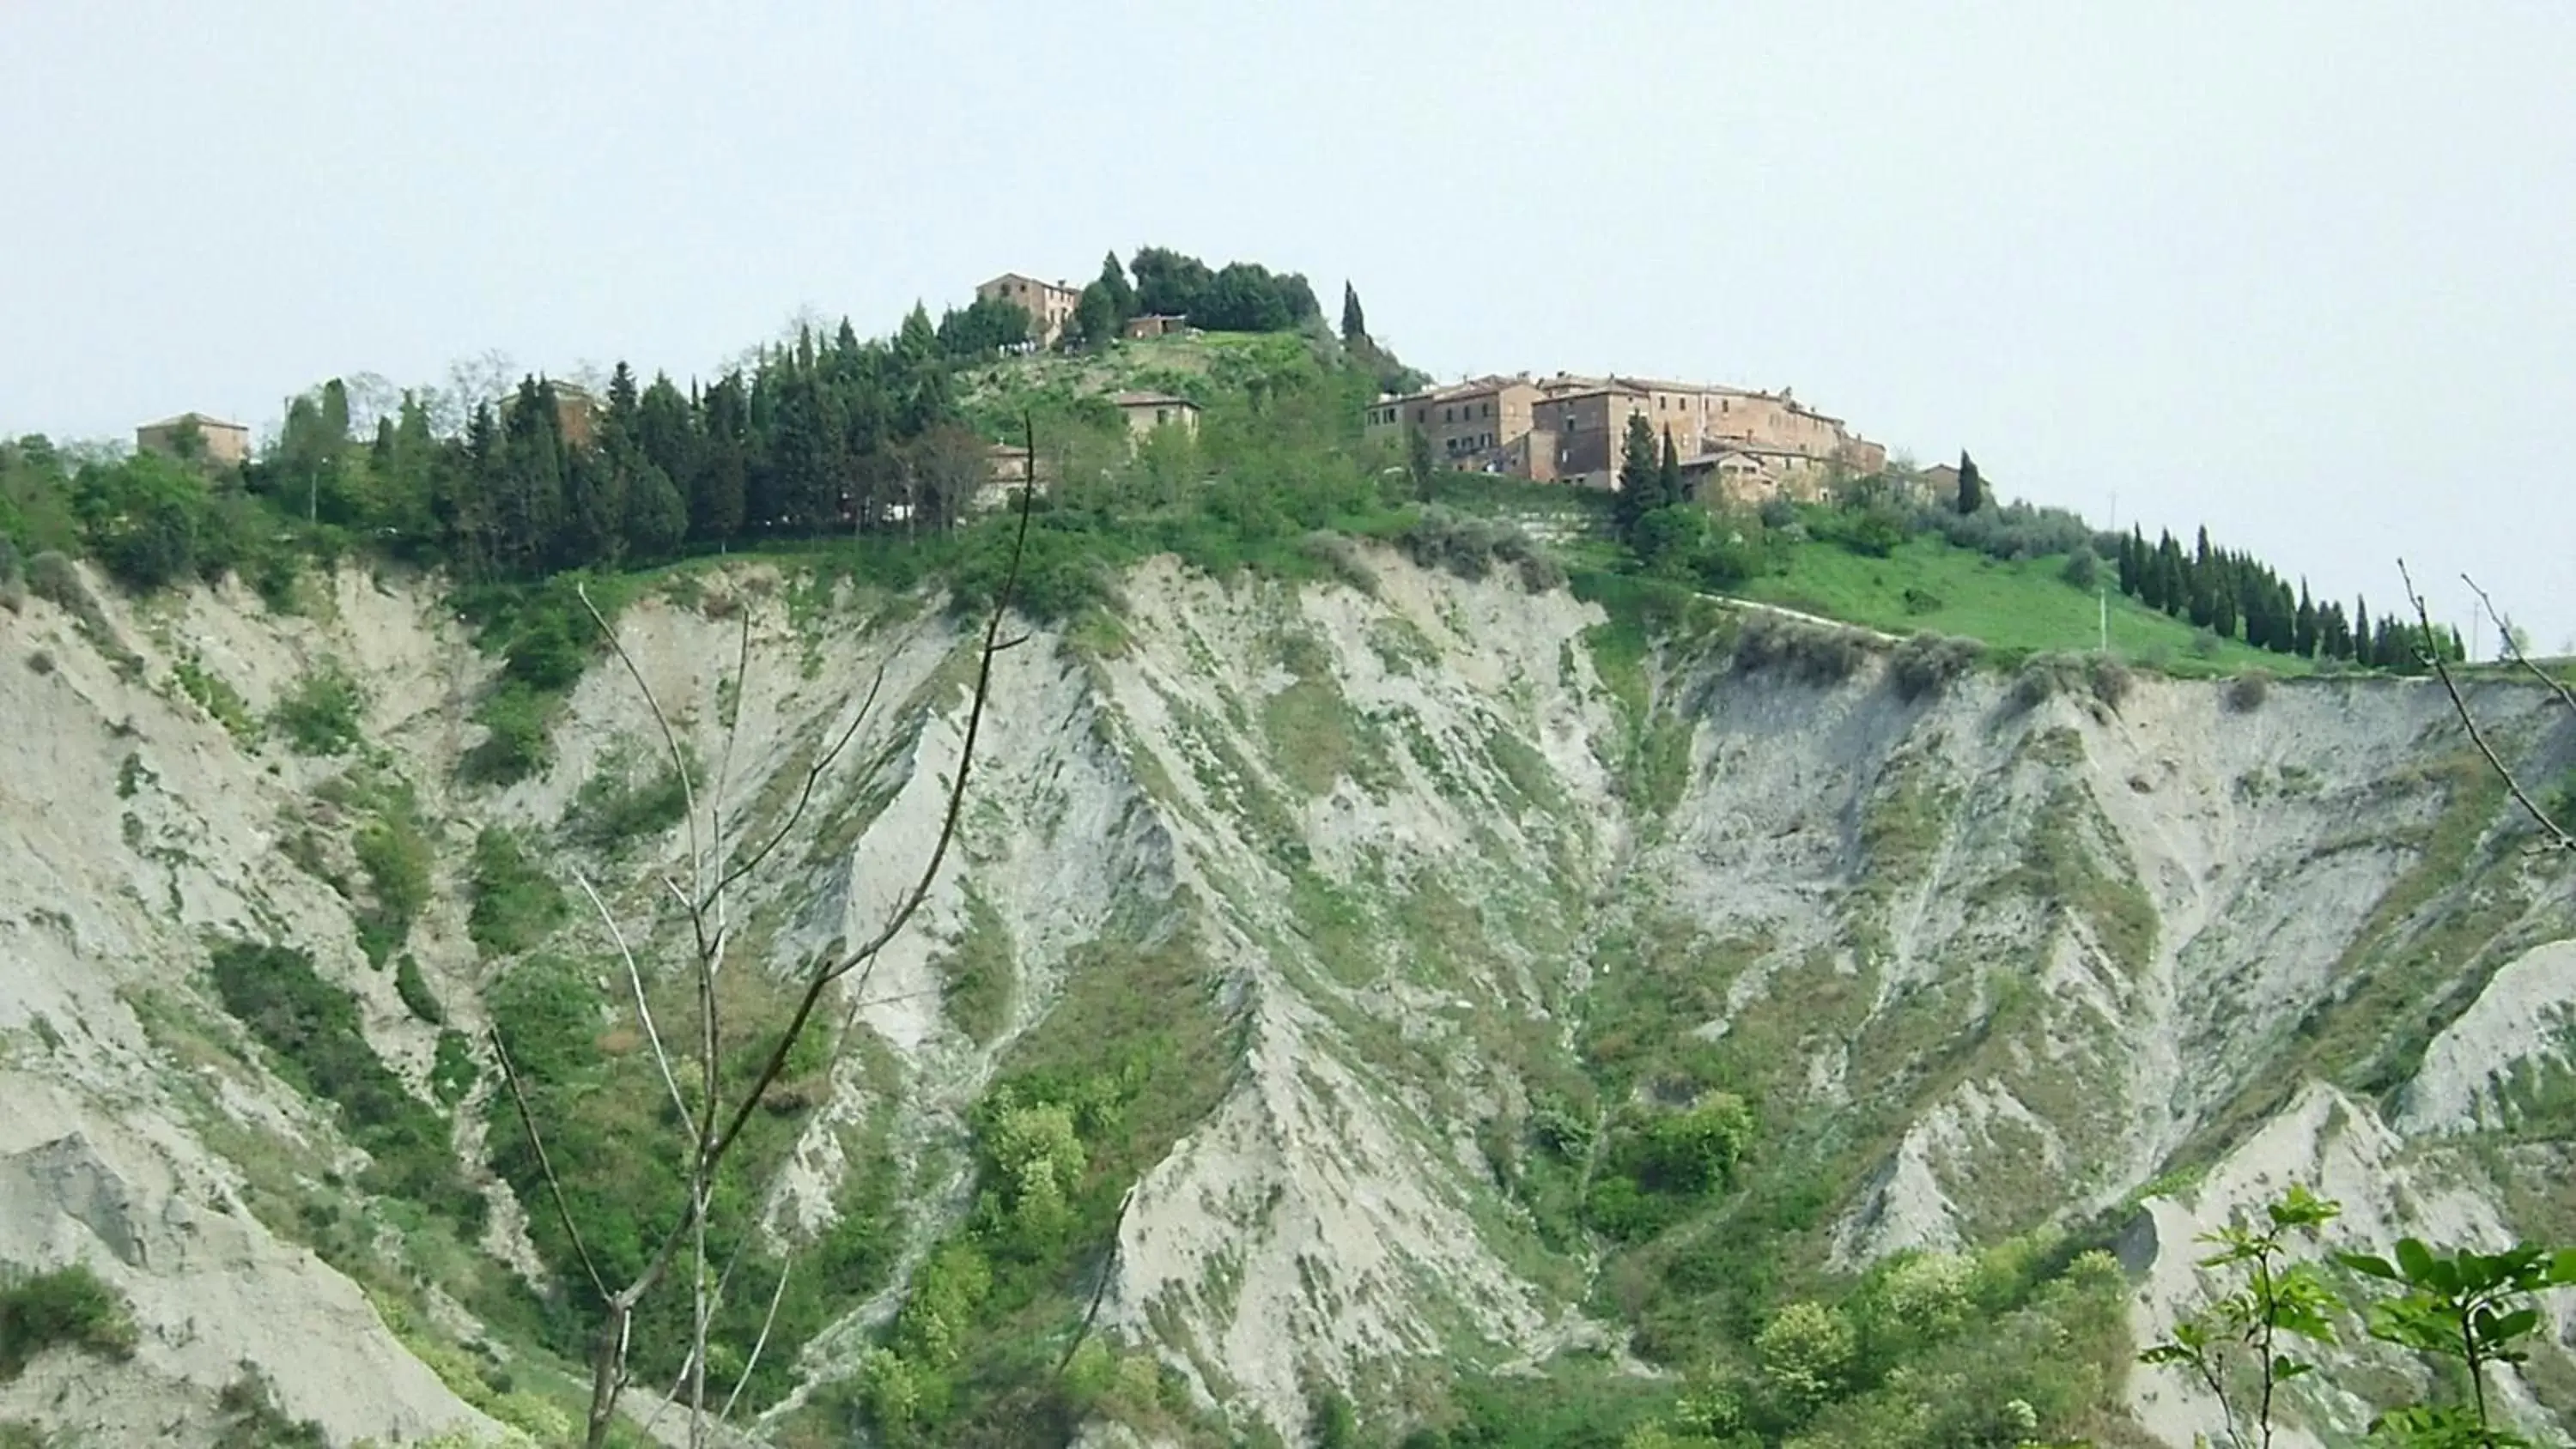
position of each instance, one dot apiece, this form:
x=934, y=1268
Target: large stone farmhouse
x=1747, y=445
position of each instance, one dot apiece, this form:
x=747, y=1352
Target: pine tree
x=532, y=486
x=621, y=427
x=666, y=430
x=720, y=482
x=464, y=507
x=656, y=518
x=1972, y=488
x=594, y=509
x=2171, y=581
x=2303, y=635
x=1355, y=333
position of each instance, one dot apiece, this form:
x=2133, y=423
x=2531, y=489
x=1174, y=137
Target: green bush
x=516, y=904
x=1872, y=531
x=2045, y=676
x=413, y=988
x=613, y=811
x=218, y=699
x=1473, y=547
x=1811, y=653
x=1926, y=664
x=325, y=714
x=248, y=1410
x=70, y=1307
x=396, y=857
x=452, y=1072
x=2247, y=692
x=517, y=740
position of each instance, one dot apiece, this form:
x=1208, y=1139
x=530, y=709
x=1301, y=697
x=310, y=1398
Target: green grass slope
x=2025, y=604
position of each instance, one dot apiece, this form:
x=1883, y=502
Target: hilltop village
x=1738, y=444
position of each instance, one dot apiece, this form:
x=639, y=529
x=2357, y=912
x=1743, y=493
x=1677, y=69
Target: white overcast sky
x=2303, y=272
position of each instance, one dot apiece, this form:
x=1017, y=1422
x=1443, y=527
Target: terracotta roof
x=1151, y=400
x=202, y=420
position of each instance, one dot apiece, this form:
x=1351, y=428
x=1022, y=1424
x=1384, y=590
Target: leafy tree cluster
x=1237, y=297
x=819, y=436
x=150, y=520
x=2237, y=596
x=2018, y=1345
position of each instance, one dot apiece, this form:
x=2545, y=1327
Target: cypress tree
x=1354, y=321
x=1972, y=487
x=1638, y=467
x=1668, y=475
x=2303, y=630
x=1113, y=280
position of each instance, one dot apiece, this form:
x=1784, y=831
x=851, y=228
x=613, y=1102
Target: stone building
x=1470, y=424
x=217, y=440
x=1049, y=304
x=1567, y=428
x=1146, y=411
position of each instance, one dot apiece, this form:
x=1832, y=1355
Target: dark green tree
x=1169, y=283
x=1972, y=486
x=1639, y=464
x=720, y=478
x=1095, y=317
x=594, y=507
x=1244, y=297
x=656, y=517
x=1668, y=475
x=1113, y=281
x=1419, y=463
x=1354, y=322
x=532, y=478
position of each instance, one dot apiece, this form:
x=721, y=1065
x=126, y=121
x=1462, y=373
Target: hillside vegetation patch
x=312, y=1032
x=68, y=1307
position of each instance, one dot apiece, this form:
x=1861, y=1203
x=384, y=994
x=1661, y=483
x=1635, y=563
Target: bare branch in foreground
x=2513, y=649
x=635, y=980
x=545, y=1164
x=705, y=902
x=2549, y=828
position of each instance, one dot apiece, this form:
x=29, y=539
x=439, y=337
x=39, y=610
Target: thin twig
x=661, y=720
x=2513, y=648
x=635, y=980
x=2468, y=721
x=1099, y=1292
x=805, y=796
x=545, y=1164
x=733, y=733
x=823, y=976
x=777, y=1296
